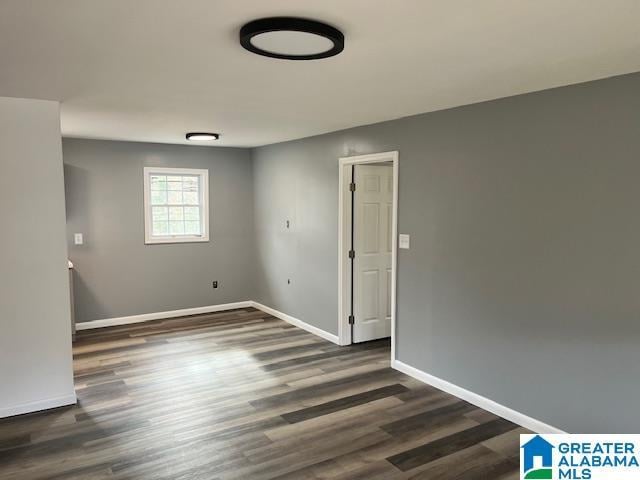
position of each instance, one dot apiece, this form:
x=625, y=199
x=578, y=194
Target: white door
x=373, y=217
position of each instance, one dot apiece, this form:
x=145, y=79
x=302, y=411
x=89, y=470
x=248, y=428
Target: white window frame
x=203, y=174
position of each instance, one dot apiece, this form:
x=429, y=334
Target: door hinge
x=352, y=319
x=352, y=254
x=352, y=186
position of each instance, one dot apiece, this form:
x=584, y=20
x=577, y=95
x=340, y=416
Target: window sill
x=154, y=241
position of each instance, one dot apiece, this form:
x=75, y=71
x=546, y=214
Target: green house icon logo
x=537, y=460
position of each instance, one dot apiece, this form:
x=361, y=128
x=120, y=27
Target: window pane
x=160, y=228
x=158, y=182
x=191, y=198
x=192, y=213
x=175, y=198
x=190, y=184
x=160, y=214
x=174, y=183
x=176, y=213
x=158, y=197
x=176, y=228
x=192, y=228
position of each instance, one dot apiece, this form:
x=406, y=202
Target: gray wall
x=521, y=282
x=35, y=330
x=116, y=274
x=523, y=279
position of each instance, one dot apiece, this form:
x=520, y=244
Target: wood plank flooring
x=243, y=395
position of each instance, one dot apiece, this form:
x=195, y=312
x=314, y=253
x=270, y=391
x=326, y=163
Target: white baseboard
x=475, y=399
x=39, y=405
x=296, y=322
x=146, y=317
x=109, y=322
x=462, y=393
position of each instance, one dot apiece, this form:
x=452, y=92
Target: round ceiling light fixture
x=291, y=38
x=202, y=136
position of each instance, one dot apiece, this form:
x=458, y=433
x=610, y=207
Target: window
x=176, y=205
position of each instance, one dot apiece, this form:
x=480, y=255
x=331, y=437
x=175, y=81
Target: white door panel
x=373, y=213
x=370, y=228
x=388, y=298
x=389, y=218
x=370, y=293
x=371, y=183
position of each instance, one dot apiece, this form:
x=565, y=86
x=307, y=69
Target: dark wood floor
x=242, y=395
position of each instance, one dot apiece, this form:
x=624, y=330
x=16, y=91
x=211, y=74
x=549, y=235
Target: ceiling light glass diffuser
x=291, y=38
x=202, y=136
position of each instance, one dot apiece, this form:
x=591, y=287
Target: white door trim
x=344, y=219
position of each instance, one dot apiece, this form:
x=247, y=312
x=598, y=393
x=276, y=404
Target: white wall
x=35, y=334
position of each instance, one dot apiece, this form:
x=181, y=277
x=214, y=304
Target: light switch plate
x=77, y=239
x=404, y=241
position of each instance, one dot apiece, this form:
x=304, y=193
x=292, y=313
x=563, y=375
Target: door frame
x=344, y=241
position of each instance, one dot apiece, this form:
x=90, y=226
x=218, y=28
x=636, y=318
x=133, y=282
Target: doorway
x=368, y=203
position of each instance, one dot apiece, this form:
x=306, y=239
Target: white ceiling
x=151, y=70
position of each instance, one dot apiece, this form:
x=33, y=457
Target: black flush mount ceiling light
x=291, y=38
x=202, y=136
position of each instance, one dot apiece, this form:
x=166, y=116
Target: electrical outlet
x=214, y=284
x=404, y=241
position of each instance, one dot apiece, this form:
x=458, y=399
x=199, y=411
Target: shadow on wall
x=77, y=197
x=77, y=192
x=265, y=291
x=81, y=289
